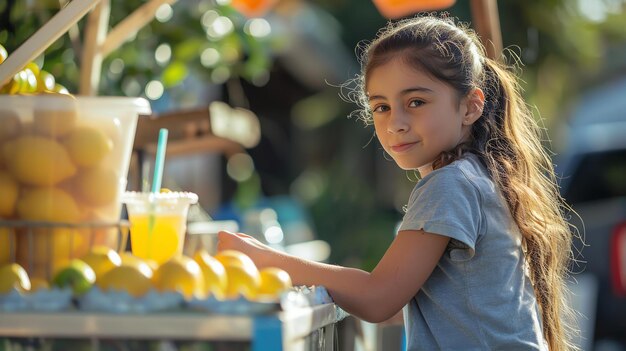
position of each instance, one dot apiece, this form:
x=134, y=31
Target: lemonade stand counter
x=309, y=328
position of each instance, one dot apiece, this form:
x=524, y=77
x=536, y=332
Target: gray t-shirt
x=478, y=297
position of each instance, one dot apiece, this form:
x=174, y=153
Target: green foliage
x=238, y=53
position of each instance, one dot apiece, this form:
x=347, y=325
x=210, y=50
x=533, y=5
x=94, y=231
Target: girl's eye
x=380, y=108
x=416, y=103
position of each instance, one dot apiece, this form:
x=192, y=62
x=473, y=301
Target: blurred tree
x=205, y=40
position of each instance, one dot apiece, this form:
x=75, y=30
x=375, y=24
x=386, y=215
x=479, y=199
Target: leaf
x=173, y=74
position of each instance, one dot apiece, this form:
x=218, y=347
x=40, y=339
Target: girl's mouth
x=400, y=148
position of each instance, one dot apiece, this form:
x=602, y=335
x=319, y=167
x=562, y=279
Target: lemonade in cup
x=158, y=223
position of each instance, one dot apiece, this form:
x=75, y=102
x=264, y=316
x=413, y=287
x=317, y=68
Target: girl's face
x=416, y=117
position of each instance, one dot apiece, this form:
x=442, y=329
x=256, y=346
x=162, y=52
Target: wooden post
x=487, y=24
x=131, y=24
x=95, y=35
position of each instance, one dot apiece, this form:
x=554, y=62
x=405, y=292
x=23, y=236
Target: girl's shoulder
x=466, y=175
x=467, y=168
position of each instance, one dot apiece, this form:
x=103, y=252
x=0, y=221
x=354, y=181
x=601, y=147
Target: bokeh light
x=131, y=87
x=258, y=27
x=164, y=13
x=220, y=27
x=117, y=66
x=220, y=75
x=154, y=89
x=240, y=167
x=163, y=54
x=209, y=57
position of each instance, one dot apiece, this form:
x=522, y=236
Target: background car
x=593, y=170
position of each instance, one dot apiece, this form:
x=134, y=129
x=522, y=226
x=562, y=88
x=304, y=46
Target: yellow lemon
x=97, y=186
x=7, y=242
x=57, y=122
x=274, y=281
x=38, y=161
x=242, y=280
x=13, y=276
x=23, y=82
x=33, y=68
x=9, y=189
x=45, y=81
x=48, y=204
x=87, y=146
x=30, y=84
x=77, y=275
x=60, y=89
x=180, y=274
x=10, y=125
x=152, y=264
x=102, y=259
x=230, y=257
x=215, y=279
x=129, y=258
x=17, y=84
x=44, y=249
x=134, y=279
x=3, y=53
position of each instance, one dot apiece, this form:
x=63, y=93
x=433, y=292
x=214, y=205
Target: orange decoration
x=401, y=8
x=253, y=8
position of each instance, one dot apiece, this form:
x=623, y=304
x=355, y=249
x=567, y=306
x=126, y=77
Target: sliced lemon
x=215, y=279
x=102, y=259
x=230, y=257
x=127, y=277
x=13, y=276
x=243, y=280
x=181, y=274
x=274, y=281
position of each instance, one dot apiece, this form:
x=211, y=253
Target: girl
x=481, y=255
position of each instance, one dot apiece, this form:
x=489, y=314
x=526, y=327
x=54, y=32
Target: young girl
x=480, y=257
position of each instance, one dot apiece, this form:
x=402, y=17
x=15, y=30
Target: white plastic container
x=65, y=158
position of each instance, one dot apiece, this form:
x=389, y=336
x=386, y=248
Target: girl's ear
x=475, y=104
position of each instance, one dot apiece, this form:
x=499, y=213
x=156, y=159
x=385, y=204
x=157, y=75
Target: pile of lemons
x=31, y=79
x=227, y=275
x=54, y=167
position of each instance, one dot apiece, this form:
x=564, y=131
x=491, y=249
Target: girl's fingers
x=223, y=239
x=243, y=235
x=224, y=233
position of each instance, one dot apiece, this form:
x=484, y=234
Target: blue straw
x=156, y=182
x=159, y=161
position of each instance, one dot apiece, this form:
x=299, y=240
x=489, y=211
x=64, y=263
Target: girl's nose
x=397, y=123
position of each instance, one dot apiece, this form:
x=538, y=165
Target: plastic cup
x=158, y=223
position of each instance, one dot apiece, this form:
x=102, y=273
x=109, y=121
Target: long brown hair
x=506, y=138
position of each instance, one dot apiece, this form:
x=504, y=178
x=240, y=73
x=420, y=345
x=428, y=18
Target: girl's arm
x=374, y=296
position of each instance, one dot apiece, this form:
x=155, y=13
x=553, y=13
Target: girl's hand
x=261, y=254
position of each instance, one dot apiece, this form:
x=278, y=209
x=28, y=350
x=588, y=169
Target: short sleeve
x=447, y=203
